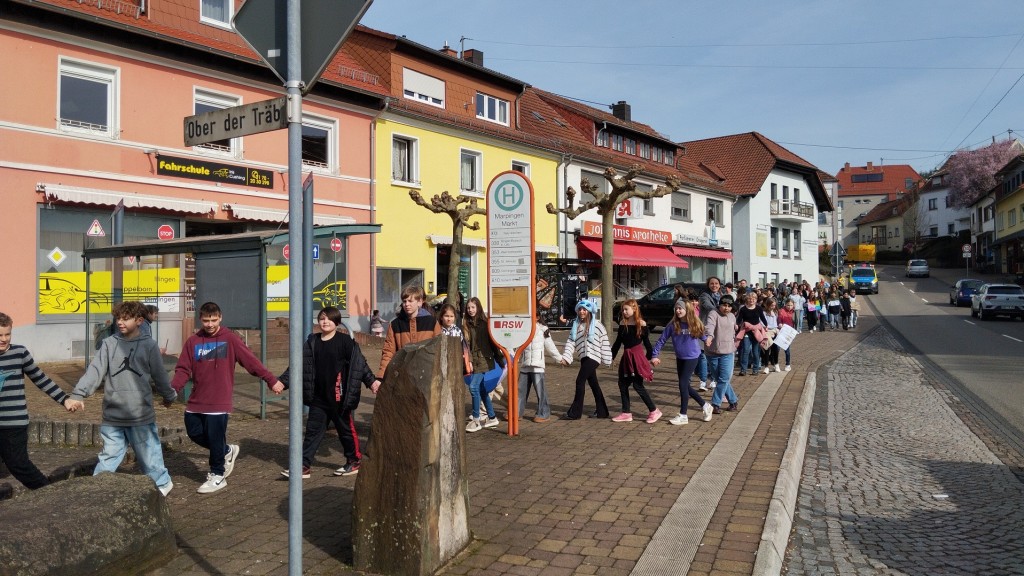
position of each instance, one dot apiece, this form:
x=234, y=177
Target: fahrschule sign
x=214, y=172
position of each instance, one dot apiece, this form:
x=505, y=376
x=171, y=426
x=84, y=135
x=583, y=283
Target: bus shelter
x=228, y=268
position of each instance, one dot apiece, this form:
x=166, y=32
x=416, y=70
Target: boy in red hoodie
x=208, y=359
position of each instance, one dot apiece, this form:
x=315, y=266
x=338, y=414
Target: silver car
x=918, y=268
x=998, y=300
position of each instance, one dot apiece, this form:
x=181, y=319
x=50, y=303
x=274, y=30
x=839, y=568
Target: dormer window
x=216, y=12
x=491, y=109
x=422, y=88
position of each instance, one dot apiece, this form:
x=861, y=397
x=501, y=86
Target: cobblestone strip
x=895, y=482
x=674, y=545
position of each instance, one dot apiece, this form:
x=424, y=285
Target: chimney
x=447, y=51
x=474, y=56
x=847, y=167
x=869, y=167
x=621, y=111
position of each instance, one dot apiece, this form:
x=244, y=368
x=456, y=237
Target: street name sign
x=236, y=121
x=325, y=25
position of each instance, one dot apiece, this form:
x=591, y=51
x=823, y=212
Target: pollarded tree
x=460, y=209
x=972, y=172
x=623, y=188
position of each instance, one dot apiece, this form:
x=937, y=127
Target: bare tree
x=460, y=209
x=623, y=188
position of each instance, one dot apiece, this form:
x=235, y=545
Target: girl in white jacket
x=588, y=342
x=531, y=372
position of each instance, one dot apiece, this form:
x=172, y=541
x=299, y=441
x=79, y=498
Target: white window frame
x=422, y=93
x=525, y=167
x=93, y=73
x=216, y=99
x=413, y=150
x=933, y=204
x=796, y=245
x=499, y=104
x=229, y=10
x=477, y=158
x=712, y=205
x=673, y=206
x=331, y=127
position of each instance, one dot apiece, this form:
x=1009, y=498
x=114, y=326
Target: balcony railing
x=792, y=208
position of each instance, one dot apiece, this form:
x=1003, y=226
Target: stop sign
x=165, y=232
x=336, y=244
x=287, y=251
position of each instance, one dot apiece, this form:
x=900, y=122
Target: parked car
x=864, y=280
x=657, y=305
x=961, y=292
x=998, y=300
x=918, y=268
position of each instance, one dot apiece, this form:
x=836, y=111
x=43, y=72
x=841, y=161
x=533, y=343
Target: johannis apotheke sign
x=214, y=172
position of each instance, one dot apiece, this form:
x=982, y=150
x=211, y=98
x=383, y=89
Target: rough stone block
x=410, y=511
x=106, y=525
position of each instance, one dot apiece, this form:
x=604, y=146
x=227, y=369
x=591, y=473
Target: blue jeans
x=720, y=368
x=144, y=440
x=798, y=320
x=533, y=380
x=478, y=393
x=211, y=432
x=750, y=348
x=702, y=367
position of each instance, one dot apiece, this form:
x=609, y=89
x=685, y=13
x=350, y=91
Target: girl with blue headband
x=588, y=342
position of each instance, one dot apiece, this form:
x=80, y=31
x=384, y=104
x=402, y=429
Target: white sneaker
x=703, y=387
x=473, y=426
x=491, y=423
x=712, y=384
x=778, y=368
x=166, y=488
x=229, y=459
x=679, y=419
x=213, y=483
x=788, y=367
x=767, y=369
x=707, y=411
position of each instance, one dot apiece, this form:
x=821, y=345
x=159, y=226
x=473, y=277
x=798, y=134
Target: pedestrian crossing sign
x=95, y=229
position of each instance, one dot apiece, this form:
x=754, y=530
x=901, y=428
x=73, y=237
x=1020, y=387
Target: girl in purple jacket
x=687, y=334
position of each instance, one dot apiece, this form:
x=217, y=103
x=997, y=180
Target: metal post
x=307, y=258
x=300, y=252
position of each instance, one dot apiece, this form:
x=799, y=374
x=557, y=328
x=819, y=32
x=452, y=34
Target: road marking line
x=971, y=323
x=922, y=300
x=1012, y=338
x=911, y=291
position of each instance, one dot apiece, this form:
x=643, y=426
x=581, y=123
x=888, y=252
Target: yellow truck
x=861, y=253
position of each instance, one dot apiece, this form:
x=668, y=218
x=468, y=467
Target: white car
x=998, y=300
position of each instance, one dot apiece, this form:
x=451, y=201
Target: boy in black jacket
x=333, y=366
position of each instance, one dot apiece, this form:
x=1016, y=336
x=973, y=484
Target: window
x=617, y=142
x=216, y=12
x=796, y=243
x=907, y=183
x=785, y=242
x=88, y=98
x=875, y=177
x=470, y=172
x=521, y=167
x=1011, y=218
x=656, y=154
x=896, y=231
x=680, y=206
x=317, y=143
x=602, y=138
x=491, y=109
x=423, y=88
x=630, y=146
x=796, y=194
x=774, y=238
x=596, y=180
x=933, y=204
x=785, y=192
x=670, y=157
x=647, y=202
x=645, y=150
x=405, y=160
x=951, y=229
x=206, y=101
x=775, y=191
x=715, y=208
x=933, y=231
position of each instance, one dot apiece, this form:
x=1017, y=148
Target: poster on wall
x=327, y=291
x=65, y=293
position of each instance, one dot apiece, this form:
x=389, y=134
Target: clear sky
x=835, y=81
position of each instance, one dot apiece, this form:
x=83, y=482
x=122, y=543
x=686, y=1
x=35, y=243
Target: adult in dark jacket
x=333, y=366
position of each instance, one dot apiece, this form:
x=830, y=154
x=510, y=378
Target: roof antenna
x=462, y=45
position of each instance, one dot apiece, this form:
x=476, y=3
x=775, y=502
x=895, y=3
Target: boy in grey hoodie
x=126, y=362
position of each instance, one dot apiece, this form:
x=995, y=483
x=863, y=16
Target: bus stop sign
x=325, y=25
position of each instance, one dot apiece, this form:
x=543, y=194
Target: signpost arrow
x=325, y=25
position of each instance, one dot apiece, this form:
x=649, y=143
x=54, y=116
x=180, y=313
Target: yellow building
x=1009, y=233
x=451, y=125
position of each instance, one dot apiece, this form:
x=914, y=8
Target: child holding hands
x=687, y=334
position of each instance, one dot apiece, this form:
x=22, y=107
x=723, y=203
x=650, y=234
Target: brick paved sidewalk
x=564, y=497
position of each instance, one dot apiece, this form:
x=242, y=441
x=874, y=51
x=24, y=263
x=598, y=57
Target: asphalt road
x=979, y=359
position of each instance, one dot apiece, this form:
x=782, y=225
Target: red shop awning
x=702, y=253
x=629, y=254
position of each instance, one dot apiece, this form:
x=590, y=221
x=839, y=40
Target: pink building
x=91, y=114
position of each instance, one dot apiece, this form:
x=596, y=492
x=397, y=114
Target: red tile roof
x=885, y=210
x=894, y=178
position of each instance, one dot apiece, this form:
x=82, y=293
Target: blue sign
x=316, y=251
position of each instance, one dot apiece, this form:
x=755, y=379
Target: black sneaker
x=349, y=469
